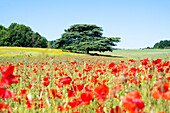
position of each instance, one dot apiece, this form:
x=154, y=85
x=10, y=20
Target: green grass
x=140, y=54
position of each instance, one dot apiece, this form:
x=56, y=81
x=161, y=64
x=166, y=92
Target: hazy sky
x=139, y=23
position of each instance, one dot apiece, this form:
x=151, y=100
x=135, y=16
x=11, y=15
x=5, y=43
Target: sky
x=139, y=23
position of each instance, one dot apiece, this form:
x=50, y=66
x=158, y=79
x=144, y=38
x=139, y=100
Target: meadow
x=34, y=80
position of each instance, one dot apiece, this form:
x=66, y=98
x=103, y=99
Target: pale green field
x=140, y=54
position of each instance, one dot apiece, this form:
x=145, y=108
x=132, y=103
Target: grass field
x=127, y=54
x=34, y=80
x=140, y=54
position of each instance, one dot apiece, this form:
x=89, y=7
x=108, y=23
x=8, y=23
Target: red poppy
x=101, y=92
x=40, y=105
x=23, y=92
x=166, y=95
x=7, y=70
x=156, y=95
x=88, y=88
x=5, y=106
x=46, y=81
x=7, y=78
x=132, y=102
x=29, y=86
x=4, y=93
x=80, y=87
x=157, y=61
x=71, y=92
x=65, y=80
x=29, y=104
x=111, y=65
x=75, y=112
x=1, y=106
x=162, y=92
x=74, y=103
x=85, y=98
x=56, y=94
x=163, y=87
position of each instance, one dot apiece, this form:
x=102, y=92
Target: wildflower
x=85, y=98
x=162, y=92
x=4, y=93
x=132, y=102
x=111, y=65
x=7, y=77
x=74, y=103
x=101, y=92
x=56, y=94
x=65, y=80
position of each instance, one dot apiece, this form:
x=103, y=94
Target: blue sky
x=139, y=23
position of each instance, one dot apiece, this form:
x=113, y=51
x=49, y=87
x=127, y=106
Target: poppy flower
x=163, y=91
x=40, y=105
x=75, y=112
x=29, y=104
x=101, y=92
x=7, y=77
x=56, y=94
x=111, y=65
x=163, y=87
x=71, y=92
x=85, y=98
x=7, y=70
x=80, y=87
x=4, y=93
x=46, y=81
x=1, y=106
x=65, y=80
x=132, y=102
x=23, y=92
x=5, y=106
x=74, y=103
x=157, y=61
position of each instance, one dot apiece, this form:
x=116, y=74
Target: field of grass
x=140, y=54
x=125, y=54
x=34, y=80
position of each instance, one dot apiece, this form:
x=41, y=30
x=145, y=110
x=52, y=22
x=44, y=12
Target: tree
x=163, y=44
x=22, y=36
x=3, y=32
x=85, y=37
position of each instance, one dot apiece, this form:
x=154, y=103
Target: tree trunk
x=87, y=51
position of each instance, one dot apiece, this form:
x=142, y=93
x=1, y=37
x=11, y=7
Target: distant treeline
x=163, y=44
x=21, y=36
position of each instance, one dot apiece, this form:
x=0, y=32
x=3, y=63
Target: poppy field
x=84, y=84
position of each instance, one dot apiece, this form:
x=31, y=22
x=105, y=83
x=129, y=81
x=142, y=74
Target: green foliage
x=84, y=37
x=21, y=36
x=163, y=44
x=52, y=44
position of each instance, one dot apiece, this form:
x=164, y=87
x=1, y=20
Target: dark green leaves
x=22, y=36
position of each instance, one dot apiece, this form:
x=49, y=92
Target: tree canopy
x=21, y=36
x=163, y=44
x=85, y=37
